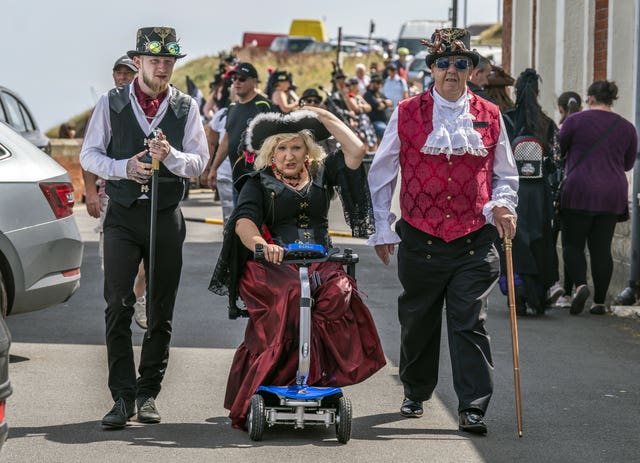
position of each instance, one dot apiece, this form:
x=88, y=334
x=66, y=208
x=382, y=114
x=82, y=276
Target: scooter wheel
x=343, y=420
x=257, y=420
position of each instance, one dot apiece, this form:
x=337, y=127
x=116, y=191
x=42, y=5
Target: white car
x=40, y=244
x=418, y=70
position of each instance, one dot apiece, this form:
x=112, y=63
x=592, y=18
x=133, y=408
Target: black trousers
x=596, y=231
x=460, y=273
x=126, y=243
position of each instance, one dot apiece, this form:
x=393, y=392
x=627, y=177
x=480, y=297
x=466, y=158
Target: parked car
x=15, y=113
x=418, y=70
x=259, y=39
x=412, y=32
x=287, y=45
x=5, y=384
x=375, y=45
x=40, y=244
x=346, y=46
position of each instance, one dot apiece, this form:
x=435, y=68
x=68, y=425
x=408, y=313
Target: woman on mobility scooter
x=286, y=200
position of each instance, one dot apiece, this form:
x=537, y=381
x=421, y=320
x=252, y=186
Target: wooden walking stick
x=511, y=291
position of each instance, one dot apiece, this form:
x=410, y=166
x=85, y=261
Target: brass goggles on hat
x=459, y=63
x=155, y=47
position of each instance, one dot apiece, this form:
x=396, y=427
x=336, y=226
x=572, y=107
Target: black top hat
x=156, y=41
x=281, y=76
x=267, y=124
x=449, y=42
x=338, y=74
x=310, y=93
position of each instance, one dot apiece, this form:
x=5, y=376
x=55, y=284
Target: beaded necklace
x=293, y=181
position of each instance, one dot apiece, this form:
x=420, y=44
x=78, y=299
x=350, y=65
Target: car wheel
x=4, y=300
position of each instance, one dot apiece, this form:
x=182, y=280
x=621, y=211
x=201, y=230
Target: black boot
x=118, y=415
x=628, y=296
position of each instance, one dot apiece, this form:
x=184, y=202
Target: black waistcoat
x=127, y=139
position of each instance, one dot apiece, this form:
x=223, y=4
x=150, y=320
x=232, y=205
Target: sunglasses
x=238, y=79
x=155, y=47
x=459, y=63
x=312, y=100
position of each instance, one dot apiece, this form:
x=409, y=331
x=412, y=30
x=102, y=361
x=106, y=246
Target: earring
x=306, y=161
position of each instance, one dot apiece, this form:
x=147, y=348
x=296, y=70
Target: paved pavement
x=580, y=382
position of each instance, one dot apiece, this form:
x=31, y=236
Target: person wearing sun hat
x=286, y=199
x=401, y=63
x=458, y=191
x=119, y=136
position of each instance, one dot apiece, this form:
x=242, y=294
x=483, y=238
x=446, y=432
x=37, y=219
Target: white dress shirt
x=188, y=163
x=383, y=176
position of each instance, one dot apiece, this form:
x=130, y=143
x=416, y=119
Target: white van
x=413, y=31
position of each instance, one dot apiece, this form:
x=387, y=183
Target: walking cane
x=155, y=166
x=511, y=290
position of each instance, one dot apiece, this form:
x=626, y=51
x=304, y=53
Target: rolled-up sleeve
x=383, y=176
x=193, y=159
x=505, y=178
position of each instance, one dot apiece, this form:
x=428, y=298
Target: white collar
x=453, y=132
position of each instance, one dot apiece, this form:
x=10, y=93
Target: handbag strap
x=592, y=148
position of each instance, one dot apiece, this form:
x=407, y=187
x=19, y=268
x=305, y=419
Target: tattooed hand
x=159, y=147
x=137, y=170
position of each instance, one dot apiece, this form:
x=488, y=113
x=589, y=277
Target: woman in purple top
x=595, y=191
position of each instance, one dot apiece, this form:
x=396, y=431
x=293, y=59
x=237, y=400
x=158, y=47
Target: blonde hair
x=315, y=152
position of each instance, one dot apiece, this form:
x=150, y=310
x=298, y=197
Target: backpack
x=528, y=154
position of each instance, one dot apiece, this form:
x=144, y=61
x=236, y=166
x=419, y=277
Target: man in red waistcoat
x=458, y=190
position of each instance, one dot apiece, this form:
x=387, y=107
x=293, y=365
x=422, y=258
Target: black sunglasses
x=459, y=63
x=312, y=100
x=239, y=79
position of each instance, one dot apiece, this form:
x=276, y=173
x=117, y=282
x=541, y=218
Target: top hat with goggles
x=451, y=41
x=157, y=41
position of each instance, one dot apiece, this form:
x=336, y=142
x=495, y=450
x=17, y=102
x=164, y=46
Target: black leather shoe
x=411, y=408
x=472, y=421
x=147, y=411
x=118, y=415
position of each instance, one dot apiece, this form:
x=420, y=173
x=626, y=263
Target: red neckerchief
x=148, y=103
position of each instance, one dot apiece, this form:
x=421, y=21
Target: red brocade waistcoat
x=444, y=197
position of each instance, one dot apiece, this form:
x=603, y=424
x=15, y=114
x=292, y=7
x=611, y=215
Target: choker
x=291, y=180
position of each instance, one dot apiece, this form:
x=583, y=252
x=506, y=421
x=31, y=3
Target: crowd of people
x=477, y=166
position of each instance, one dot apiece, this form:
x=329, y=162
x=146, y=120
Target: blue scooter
x=301, y=404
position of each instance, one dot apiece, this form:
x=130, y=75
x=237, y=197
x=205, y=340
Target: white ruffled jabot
x=453, y=131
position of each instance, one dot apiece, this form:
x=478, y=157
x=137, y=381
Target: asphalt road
x=580, y=382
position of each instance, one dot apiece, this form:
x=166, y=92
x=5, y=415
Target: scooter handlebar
x=309, y=254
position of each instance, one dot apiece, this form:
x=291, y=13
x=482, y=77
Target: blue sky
x=59, y=54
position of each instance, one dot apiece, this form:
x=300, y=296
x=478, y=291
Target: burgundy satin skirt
x=345, y=348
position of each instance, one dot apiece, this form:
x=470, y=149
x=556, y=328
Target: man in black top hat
x=119, y=135
x=249, y=104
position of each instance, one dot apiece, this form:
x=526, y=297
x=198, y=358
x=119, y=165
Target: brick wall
x=600, y=32
x=66, y=153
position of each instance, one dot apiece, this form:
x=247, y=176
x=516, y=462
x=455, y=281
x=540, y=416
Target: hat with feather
x=451, y=41
x=265, y=125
